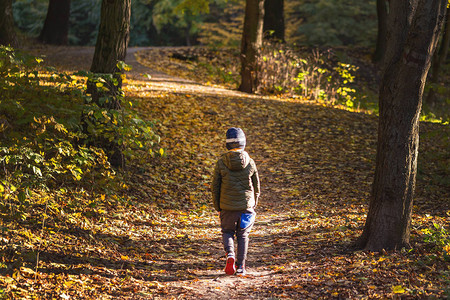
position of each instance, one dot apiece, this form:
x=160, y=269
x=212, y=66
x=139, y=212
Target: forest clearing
x=151, y=232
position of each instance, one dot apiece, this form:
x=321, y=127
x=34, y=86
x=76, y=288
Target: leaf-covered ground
x=163, y=241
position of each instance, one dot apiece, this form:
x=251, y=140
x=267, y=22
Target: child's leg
x=228, y=223
x=242, y=237
x=228, y=241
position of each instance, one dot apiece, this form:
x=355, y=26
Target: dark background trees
x=7, y=33
x=380, y=47
x=274, y=23
x=56, y=25
x=162, y=22
x=251, y=42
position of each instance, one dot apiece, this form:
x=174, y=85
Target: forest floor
x=316, y=167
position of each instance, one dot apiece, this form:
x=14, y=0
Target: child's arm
x=215, y=187
x=255, y=182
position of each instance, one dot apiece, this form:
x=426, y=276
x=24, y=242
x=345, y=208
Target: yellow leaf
x=124, y=257
x=398, y=289
x=161, y=151
x=26, y=271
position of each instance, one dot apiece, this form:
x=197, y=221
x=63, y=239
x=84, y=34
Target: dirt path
x=210, y=281
x=283, y=249
x=80, y=58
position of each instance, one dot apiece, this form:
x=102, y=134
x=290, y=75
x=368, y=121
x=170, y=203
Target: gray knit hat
x=235, y=138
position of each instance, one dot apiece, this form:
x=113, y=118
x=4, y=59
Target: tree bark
x=439, y=59
x=382, y=13
x=251, y=43
x=112, y=40
x=56, y=25
x=274, y=28
x=113, y=36
x=7, y=33
x=410, y=50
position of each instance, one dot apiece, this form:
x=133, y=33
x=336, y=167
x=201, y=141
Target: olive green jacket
x=235, y=183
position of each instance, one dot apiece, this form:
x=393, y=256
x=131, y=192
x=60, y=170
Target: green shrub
x=315, y=76
x=44, y=143
x=439, y=237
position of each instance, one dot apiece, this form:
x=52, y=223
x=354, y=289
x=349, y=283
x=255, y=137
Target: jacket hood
x=236, y=160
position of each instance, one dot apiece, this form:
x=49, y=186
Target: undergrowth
x=45, y=143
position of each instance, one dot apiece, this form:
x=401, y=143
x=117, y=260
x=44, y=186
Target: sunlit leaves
x=398, y=289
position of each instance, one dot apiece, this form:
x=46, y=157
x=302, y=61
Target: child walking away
x=235, y=189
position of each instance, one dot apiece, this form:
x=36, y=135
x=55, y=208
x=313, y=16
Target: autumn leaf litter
x=316, y=165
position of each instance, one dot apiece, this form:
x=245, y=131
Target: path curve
x=81, y=58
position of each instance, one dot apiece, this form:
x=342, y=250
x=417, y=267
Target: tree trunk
x=389, y=218
x=56, y=25
x=113, y=36
x=111, y=47
x=274, y=20
x=112, y=40
x=439, y=59
x=251, y=43
x=7, y=33
x=382, y=13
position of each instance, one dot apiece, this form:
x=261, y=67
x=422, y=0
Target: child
x=235, y=189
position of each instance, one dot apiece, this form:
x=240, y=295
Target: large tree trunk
x=7, y=33
x=382, y=14
x=274, y=20
x=410, y=51
x=56, y=25
x=251, y=43
x=439, y=59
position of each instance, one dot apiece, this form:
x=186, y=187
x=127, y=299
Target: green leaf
x=22, y=196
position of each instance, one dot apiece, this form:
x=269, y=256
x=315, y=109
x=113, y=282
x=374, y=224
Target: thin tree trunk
x=382, y=13
x=274, y=28
x=113, y=36
x=56, y=25
x=389, y=218
x=7, y=34
x=111, y=47
x=112, y=40
x=251, y=43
